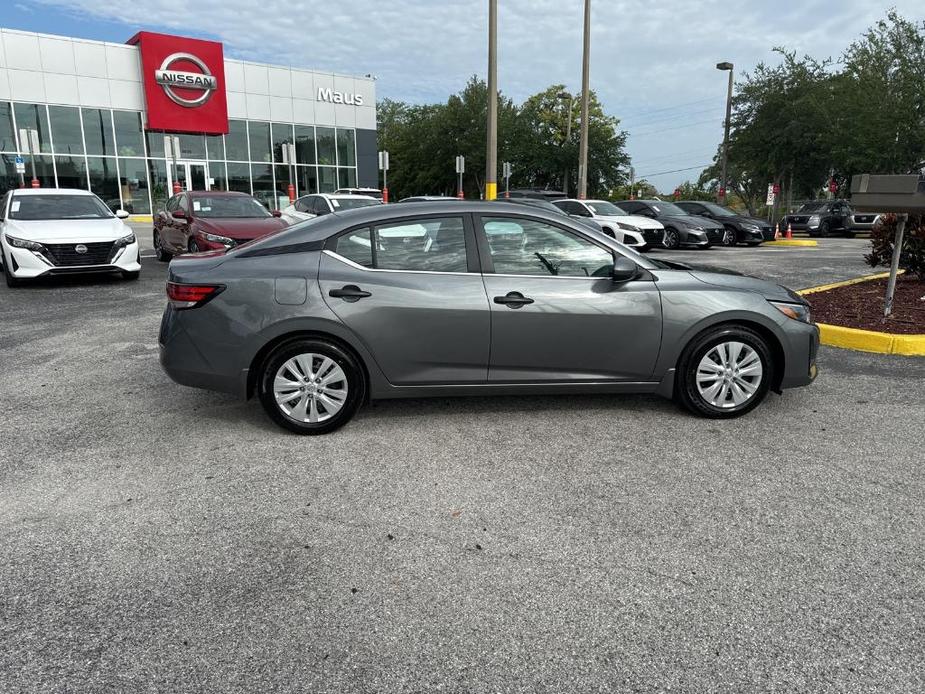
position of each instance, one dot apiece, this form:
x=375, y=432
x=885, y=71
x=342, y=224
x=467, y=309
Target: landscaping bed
x=861, y=306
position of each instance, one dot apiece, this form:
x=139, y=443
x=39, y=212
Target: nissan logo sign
x=202, y=81
x=80, y=248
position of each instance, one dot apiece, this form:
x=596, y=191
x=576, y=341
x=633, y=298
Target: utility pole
x=721, y=193
x=491, y=155
x=585, y=103
x=632, y=183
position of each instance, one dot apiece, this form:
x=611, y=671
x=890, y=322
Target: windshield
x=606, y=209
x=352, y=203
x=667, y=208
x=51, y=206
x=812, y=207
x=228, y=207
x=719, y=210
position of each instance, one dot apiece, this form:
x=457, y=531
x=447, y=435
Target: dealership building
x=104, y=113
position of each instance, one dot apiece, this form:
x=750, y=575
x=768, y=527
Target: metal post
x=384, y=167
x=460, y=170
x=721, y=193
x=585, y=103
x=894, y=263
x=491, y=156
x=632, y=183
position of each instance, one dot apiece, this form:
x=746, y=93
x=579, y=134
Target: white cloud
x=647, y=58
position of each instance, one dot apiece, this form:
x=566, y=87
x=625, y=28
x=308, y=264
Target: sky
x=652, y=63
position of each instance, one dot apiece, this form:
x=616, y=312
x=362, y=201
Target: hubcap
x=310, y=388
x=671, y=238
x=729, y=375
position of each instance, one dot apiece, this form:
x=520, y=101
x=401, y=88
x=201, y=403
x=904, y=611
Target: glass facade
x=109, y=152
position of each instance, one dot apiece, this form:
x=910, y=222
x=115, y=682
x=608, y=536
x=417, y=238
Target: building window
x=346, y=148
x=133, y=185
x=35, y=117
x=7, y=131
x=192, y=146
x=236, y=141
x=260, y=141
x=98, y=131
x=239, y=177
x=218, y=175
x=72, y=172
x=104, y=180
x=306, y=180
x=65, y=131
x=44, y=171
x=215, y=148
x=305, y=144
x=262, y=177
x=281, y=134
x=327, y=179
x=160, y=191
x=346, y=178
x=129, y=135
x=327, y=151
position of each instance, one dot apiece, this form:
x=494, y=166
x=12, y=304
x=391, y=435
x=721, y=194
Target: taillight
x=191, y=295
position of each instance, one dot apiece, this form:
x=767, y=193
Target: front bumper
x=25, y=264
x=800, y=355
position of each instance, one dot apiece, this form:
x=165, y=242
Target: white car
x=635, y=231
x=315, y=205
x=57, y=231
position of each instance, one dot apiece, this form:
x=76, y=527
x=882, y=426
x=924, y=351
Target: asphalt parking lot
x=158, y=538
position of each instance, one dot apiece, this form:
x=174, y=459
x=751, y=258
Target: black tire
x=730, y=237
x=355, y=383
x=686, y=391
x=672, y=239
x=824, y=229
x=11, y=282
x=160, y=252
x=131, y=276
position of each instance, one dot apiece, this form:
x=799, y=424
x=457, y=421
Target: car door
x=412, y=292
x=839, y=216
x=168, y=227
x=556, y=313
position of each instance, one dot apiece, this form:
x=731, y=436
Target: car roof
x=217, y=193
x=340, y=196
x=56, y=191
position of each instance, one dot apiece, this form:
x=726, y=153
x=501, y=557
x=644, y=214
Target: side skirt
x=485, y=389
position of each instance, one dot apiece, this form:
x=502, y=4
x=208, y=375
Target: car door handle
x=513, y=300
x=349, y=292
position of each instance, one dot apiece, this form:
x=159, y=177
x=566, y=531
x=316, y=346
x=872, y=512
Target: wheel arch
x=253, y=372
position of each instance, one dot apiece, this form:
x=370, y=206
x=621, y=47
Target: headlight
x=22, y=243
x=814, y=221
x=125, y=241
x=751, y=227
x=798, y=312
x=215, y=238
x=628, y=227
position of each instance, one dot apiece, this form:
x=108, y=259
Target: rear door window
x=421, y=245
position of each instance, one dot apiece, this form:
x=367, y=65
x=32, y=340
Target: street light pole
x=585, y=99
x=491, y=156
x=568, y=134
x=721, y=194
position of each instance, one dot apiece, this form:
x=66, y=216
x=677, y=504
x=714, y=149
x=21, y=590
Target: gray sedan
x=471, y=298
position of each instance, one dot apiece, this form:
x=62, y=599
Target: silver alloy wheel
x=729, y=237
x=729, y=375
x=310, y=388
x=671, y=239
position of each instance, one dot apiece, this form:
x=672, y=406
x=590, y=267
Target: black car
x=681, y=228
x=536, y=194
x=748, y=230
x=821, y=218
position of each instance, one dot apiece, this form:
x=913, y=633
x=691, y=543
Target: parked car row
x=827, y=217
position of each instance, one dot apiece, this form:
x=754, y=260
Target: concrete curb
x=802, y=243
x=866, y=340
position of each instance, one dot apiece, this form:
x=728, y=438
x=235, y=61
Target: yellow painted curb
x=866, y=340
x=791, y=242
x=870, y=341
x=848, y=283
x=140, y=218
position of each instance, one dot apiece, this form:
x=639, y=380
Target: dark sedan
x=199, y=220
x=742, y=229
x=681, y=227
x=471, y=298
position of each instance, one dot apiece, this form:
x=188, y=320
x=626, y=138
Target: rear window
x=228, y=207
x=52, y=206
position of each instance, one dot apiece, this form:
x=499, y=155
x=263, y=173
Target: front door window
x=530, y=247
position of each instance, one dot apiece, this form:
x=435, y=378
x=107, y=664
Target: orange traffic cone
x=789, y=231
x=777, y=232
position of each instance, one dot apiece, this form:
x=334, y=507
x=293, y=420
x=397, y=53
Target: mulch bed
x=861, y=306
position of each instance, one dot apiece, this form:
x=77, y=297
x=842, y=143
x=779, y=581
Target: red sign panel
x=184, y=82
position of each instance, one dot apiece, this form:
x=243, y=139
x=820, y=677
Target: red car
x=206, y=220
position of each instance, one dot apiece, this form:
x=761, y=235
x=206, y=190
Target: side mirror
x=277, y=213
x=122, y=214
x=624, y=269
